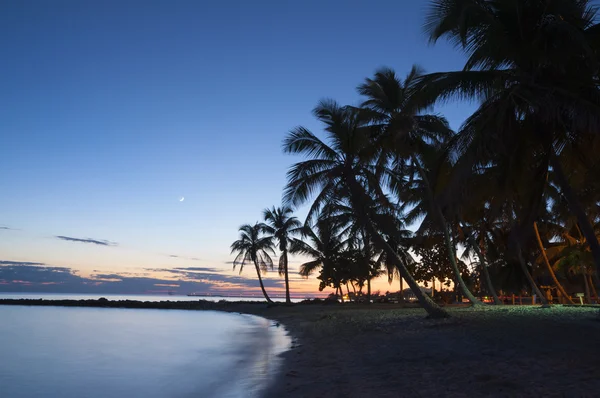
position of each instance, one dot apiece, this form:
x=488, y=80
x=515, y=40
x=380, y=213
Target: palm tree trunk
x=534, y=288
x=485, y=271
x=595, y=293
x=584, y=223
x=341, y=293
x=348, y=290
x=262, y=287
x=550, y=270
x=434, y=310
x=287, y=278
x=401, y=295
x=444, y=225
x=587, y=287
x=367, y=247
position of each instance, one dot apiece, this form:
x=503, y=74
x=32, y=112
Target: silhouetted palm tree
x=528, y=61
x=254, y=248
x=401, y=242
x=409, y=136
x=324, y=244
x=281, y=225
x=344, y=168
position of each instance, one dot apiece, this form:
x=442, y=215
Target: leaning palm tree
x=280, y=224
x=255, y=248
x=526, y=60
x=401, y=242
x=411, y=138
x=344, y=168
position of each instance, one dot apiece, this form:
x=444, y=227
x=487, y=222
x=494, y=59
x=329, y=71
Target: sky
x=111, y=112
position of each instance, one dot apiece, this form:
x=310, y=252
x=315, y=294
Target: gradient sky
x=112, y=111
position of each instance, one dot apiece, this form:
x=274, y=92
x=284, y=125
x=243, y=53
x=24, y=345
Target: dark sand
x=386, y=350
x=393, y=352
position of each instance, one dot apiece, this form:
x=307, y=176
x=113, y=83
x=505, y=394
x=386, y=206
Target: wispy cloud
x=19, y=263
x=4, y=227
x=184, y=257
x=100, y=242
x=199, y=269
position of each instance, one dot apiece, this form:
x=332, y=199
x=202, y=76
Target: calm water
x=101, y=352
x=145, y=297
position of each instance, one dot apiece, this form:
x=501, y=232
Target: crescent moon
x=182, y=199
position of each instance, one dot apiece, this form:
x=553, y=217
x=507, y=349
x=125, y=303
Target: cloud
x=29, y=273
x=37, y=277
x=108, y=276
x=19, y=263
x=5, y=228
x=184, y=257
x=87, y=240
x=198, y=269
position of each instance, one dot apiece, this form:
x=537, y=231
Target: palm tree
x=344, y=169
x=548, y=266
x=409, y=136
x=572, y=256
x=324, y=245
x=358, y=239
x=473, y=246
x=255, y=248
x=401, y=243
x=281, y=225
x=528, y=60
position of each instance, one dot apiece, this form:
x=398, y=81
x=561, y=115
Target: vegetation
x=515, y=187
x=281, y=225
x=254, y=247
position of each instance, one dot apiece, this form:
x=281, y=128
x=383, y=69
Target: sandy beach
x=381, y=351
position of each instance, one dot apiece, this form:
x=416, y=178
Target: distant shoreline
x=106, y=303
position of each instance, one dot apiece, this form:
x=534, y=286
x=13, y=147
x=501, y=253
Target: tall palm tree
x=407, y=135
x=280, y=224
x=344, y=168
x=255, y=248
x=526, y=60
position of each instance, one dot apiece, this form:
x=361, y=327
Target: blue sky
x=112, y=111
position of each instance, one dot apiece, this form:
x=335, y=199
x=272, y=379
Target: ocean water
x=109, y=352
x=138, y=297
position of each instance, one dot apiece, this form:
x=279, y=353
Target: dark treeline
x=516, y=186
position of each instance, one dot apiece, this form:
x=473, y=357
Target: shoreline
x=387, y=350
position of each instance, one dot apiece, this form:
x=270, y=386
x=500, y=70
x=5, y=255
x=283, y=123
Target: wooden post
x=513, y=299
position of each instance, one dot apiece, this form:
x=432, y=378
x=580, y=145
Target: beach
x=381, y=351
x=387, y=350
